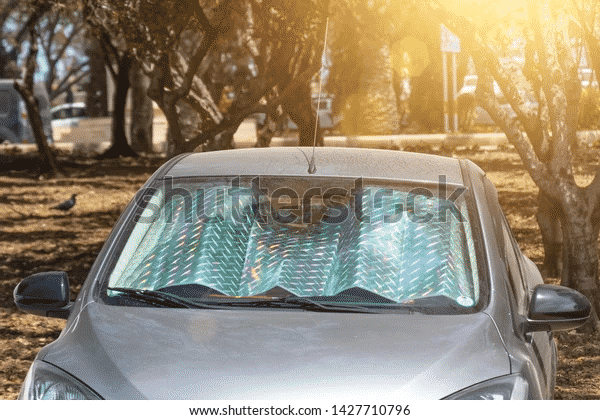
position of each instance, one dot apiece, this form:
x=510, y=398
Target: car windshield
x=360, y=242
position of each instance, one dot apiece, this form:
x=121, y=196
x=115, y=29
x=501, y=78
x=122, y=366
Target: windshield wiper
x=155, y=297
x=298, y=302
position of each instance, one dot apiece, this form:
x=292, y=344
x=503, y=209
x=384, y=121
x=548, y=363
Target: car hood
x=155, y=353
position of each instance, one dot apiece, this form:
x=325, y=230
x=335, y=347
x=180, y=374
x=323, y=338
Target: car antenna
x=312, y=167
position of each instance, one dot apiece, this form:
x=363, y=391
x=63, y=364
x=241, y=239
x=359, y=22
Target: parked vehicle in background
x=470, y=114
x=587, y=78
x=327, y=121
x=14, y=121
x=470, y=83
x=69, y=114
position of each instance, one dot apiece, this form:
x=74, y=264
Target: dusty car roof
x=330, y=161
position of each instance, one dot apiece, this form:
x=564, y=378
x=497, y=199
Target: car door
x=540, y=343
x=521, y=281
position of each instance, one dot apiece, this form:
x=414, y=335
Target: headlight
x=46, y=382
x=509, y=387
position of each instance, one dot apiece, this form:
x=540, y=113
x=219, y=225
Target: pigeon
x=67, y=205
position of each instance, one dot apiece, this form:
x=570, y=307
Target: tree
x=62, y=41
x=544, y=136
x=54, y=28
x=142, y=111
x=120, y=64
x=8, y=59
x=362, y=74
x=26, y=90
x=60, y=34
x=282, y=37
x=26, y=17
x=426, y=100
x=368, y=44
x=96, y=88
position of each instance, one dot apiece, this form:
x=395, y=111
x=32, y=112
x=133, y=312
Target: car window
x=507, y=247
x=60, y=114
x=514, y=265
x=79, y=112
x=391, y=241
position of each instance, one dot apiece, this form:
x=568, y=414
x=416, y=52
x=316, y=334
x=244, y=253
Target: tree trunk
x=548, y=218
x=265, y=131
x=222, y=141
x=378, y=112
x=175, y=140
x=580, y=245
x=96, y=90
x=26, y=90
x=426, y=100
x=142, y=112
x=49, y=166
x=160, y=81
x=120, y=146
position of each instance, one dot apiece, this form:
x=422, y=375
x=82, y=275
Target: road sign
x=450, y=42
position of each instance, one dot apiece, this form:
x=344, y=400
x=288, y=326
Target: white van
x=14, y=122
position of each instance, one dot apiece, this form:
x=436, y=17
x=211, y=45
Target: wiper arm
x=307, y=304
x=165, y=299
x=161, y=298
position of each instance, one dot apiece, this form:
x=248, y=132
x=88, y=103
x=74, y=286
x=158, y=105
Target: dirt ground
x=34, y=238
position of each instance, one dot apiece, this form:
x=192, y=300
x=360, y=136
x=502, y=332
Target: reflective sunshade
x=310, y=237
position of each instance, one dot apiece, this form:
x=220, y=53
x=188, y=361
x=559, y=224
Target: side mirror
x=45, y=294
x=556, y=308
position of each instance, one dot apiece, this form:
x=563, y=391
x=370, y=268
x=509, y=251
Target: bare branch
x=467, y=31
x=67, y=82
x=7, y=10
x=204, y=100
x=32, y=21
x=552, y=83
x=211, y=32
x=66, y=44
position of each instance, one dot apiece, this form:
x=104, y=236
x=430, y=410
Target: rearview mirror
x=45, y=294
x=556, y=308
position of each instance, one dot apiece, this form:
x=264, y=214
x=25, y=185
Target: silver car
x=240, y=275
x=68, y=114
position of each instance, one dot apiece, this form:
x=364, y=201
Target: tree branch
x=65, y=84
x=552, y=83
x=32, y=21
x=534, y=166
x=467, y=30
x=211, y=32
x=66, y=45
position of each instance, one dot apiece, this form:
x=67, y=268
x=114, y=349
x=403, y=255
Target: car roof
x=69, y=105
x=329, y=161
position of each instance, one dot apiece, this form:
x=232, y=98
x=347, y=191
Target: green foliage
x=589, y=109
